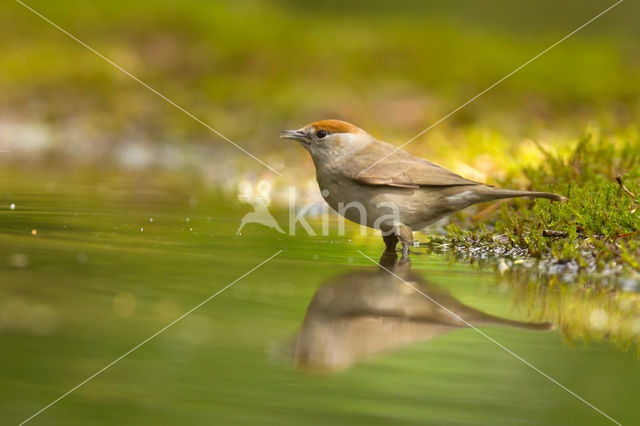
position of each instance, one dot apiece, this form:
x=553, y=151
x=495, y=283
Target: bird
x=378, y=185
x=361, y=313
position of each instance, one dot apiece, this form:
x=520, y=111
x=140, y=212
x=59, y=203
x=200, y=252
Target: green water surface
x=87, y=272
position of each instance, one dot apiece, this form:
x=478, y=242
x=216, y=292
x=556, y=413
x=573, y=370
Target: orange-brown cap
x=334, y=126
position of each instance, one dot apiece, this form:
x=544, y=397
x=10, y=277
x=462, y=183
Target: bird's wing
x=400, y=169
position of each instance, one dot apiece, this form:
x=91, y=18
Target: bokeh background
x=252, y=68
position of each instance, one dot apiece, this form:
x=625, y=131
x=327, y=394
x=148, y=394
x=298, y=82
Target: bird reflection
x=359, y=314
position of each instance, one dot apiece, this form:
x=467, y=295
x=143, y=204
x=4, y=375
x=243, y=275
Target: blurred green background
x=252, y=68
x=118, y=212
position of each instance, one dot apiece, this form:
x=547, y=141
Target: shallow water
x=88, y=271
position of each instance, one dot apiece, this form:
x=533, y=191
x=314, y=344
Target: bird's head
x=328, y=138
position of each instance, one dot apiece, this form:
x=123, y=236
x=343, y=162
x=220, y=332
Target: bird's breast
x=334, y=189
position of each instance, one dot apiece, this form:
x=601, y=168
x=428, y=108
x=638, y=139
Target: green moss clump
x=598, y=227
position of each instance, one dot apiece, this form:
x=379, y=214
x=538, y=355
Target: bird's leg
x=388, y=260
x=390, y=241
x=405, y=235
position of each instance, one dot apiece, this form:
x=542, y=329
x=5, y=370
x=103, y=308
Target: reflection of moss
x=584, y=313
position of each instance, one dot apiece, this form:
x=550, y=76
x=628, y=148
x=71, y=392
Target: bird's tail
x=491, y=320
x=496, y=193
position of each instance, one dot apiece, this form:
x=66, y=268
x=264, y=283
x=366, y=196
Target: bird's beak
x=295, y=135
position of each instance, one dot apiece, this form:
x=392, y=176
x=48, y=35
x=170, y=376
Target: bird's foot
x=405, y=250
x=405, y=236
x=405, y=260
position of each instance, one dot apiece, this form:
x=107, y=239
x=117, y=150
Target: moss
x=598, y=228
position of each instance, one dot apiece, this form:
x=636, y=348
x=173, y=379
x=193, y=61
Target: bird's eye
x=321, y=134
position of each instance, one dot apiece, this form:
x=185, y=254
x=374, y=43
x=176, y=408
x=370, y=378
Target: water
x=91, y=267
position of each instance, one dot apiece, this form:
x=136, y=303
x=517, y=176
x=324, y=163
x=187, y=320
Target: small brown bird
x=375, y=184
